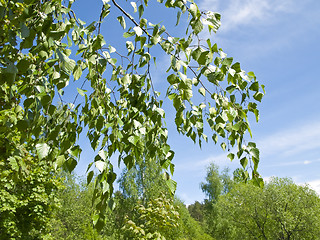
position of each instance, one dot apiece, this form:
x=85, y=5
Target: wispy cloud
x=294, y=163
x=248, y=12
x=200, y=166
x=292, y=141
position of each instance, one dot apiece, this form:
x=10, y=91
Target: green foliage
x=27, y=184
x=155, y=221
x=189, y=229
x=26, y=201
x=216, y=183
x=44, y=47
x=281, y=210
x=143, y=181
x=196, y=211
x=237, y=207
x=158, y=217
x=72, y=220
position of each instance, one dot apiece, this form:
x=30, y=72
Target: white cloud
x=220, y=159
x=249, y=12
x=292, y=141
x=293, y=163
x=267, y=179
x=315, y=185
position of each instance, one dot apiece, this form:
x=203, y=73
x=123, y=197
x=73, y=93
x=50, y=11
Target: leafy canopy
x=44, y=47
x=280, y=210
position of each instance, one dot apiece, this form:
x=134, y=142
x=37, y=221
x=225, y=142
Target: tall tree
x=72, y=220
x=143, y=181
x=216, y=183
x=44, y=46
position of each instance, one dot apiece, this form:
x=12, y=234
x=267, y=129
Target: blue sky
x=279, y=41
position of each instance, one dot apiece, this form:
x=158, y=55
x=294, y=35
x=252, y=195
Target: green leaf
x=81, y=91
x=254, y=86
x=187, y=94
x=138, y=31
x=193, y=9
x=75, y=151
x=24, y=31
x=223, y=146
x=23, y=65
x=178, y=18
x=100, y=165
x=67, y=64
x=102, y=154
x=172, y=79
x=89, y=177
x=161, y=112
x=172, y=185
x=77, y=72
x=236, y=67
x=122, y=21
x=230, y=156
x=202, y=91
x=60, y=160
x=13, y=163
x=237, y=126
x=258, y=96
x=42, y=150
x=129, y=46
x=255, y=152
x=196, y=53
x=244, y=162
x=251, y=75
x=227, y=61
x=197, y=26
x=98, y=43
x=133, y=139
x=22, y=125
x=125, y=80
x=205, y=58
x=141, y=10
x=134, y=5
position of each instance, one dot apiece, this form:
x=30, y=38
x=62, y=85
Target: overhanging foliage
x=44, y=46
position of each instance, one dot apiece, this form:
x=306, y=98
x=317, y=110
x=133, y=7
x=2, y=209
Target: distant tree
x=144, y=181
x=72, y=220
x=189, y=228
x=216, y=183
x=144, y=205
x=281, y=210
x=196, y=211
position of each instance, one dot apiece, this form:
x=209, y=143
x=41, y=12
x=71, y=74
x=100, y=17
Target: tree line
x=143, y=208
